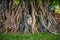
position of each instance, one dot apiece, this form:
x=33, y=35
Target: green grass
x=36, y=36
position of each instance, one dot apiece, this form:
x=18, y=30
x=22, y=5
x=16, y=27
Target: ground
x=36, y=36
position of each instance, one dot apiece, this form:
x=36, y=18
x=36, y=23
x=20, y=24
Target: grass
x=36, y=36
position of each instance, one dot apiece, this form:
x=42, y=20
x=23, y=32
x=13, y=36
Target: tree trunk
x=27, y=11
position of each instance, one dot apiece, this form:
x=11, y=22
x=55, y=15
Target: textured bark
x=34, y=19
x=31, y=13
x=46, y=16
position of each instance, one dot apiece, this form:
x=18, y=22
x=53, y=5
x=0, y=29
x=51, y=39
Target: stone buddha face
x=29, y=21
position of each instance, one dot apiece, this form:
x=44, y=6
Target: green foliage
x=56, y=2
x=57, y=9
x=55, y=5
x=40, y=1
x=16, y=2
